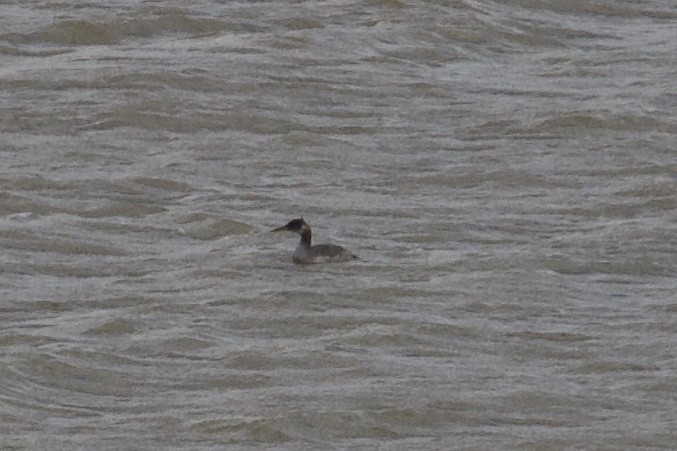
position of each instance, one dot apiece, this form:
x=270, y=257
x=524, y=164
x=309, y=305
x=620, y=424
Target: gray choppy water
x=506, y=172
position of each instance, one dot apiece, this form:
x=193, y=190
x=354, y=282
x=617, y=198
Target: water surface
x=505, y=171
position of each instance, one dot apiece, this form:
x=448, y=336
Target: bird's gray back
x=331, y=252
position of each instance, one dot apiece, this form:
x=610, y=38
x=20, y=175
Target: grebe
x=305, y=253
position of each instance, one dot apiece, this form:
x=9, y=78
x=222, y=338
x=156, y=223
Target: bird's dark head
x=295, y=225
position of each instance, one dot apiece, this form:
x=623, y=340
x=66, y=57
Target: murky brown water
x=506, y=172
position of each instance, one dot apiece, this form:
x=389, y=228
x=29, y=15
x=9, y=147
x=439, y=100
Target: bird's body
x=306, y=253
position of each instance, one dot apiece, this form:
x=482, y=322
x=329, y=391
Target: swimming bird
x=306, y=253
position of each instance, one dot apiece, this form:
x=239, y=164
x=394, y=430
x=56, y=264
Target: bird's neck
x=306, y=236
